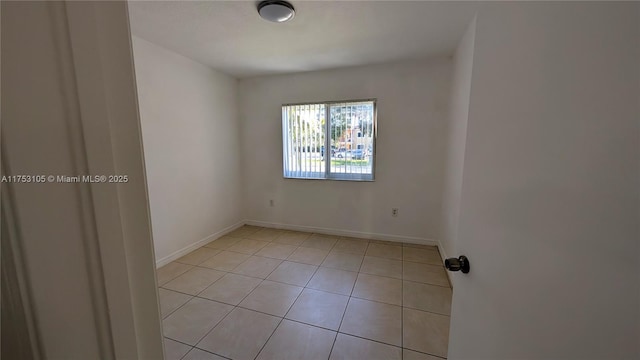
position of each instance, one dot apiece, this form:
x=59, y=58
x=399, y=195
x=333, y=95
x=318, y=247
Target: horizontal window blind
x=334, y=140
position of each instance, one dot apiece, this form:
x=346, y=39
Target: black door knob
x=459, y=264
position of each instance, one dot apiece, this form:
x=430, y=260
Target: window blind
x=334, y=140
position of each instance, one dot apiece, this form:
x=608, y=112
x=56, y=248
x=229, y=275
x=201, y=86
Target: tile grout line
x=330, y=250
x=213, y=327
x=193, y=347
x=187, y=353
x=281, y=320
x=234, y=306
x=217, y=323
x=207, y=351
x=176, y=309
x=402, y=279
x=426, y=353
x=173, y=278
x=292, y=320
x=224, y=317
x=238, y=306
x=305, y=287
x=311, y=277
x=192, y=296
x=312, y=325
x=294, y=302
x=306, y=247
x=348, y=301
x=373, y=340
x=302, y=286
x=231, y=272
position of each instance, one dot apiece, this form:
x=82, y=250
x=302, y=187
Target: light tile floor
x=261, y=293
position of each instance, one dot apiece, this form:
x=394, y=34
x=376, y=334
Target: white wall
x=412, y=106
x=550, y=196
x=456, y=139
x=192, y=148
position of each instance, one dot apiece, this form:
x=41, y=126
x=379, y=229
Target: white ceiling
x=231, y=37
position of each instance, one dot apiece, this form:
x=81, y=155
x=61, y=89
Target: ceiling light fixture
x=276, y=10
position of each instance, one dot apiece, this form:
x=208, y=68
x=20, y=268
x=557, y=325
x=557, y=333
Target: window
x=340, y=148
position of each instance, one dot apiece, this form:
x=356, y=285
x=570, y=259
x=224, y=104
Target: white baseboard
x=443, y=255
x=320, y=230
x=341, y=232
x=178, y=254
x=442, y=251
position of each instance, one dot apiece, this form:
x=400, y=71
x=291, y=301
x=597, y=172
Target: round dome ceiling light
x=276, y=10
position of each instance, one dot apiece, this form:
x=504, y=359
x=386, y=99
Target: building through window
x=330, y=140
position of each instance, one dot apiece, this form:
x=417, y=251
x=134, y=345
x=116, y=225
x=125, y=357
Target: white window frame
x=327, y=174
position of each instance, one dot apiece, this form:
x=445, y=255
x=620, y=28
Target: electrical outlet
x=271, y=203
x=394, y=212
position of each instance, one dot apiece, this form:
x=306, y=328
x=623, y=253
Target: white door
x=82, y=264
x=549, y=195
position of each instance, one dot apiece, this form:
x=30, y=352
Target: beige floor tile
x=294, y=238
x=386, y=242
x=272, y=298
x=414, y=355
x=382, y=267
x=373, y=324
x=276, y=251
x=240, y=335
x=293, y=273
x=308, y=256
x=197, y=354
x=171, y=271
x=425, y=273
x=248, y=246
x=319, y=308
x=351, y=245
x=197, y=256
x=318, y=241
x=420, y=246
x=343, y=261
x=244, y=231
x=174, y=350
x=425, y=332
x=265, y=234
x=225, y=261
x=295, y=341
x=258, y=267
x=349, y=347
x=393, y=252
x=373, y=320
x=222, y=243
x=378, y=288
x=354, y=238
x=427, y=256
x=231, y=288
x=194, y=319
x=333, y=280
x=194, y=281
x=171, y=300
x=427, y=297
